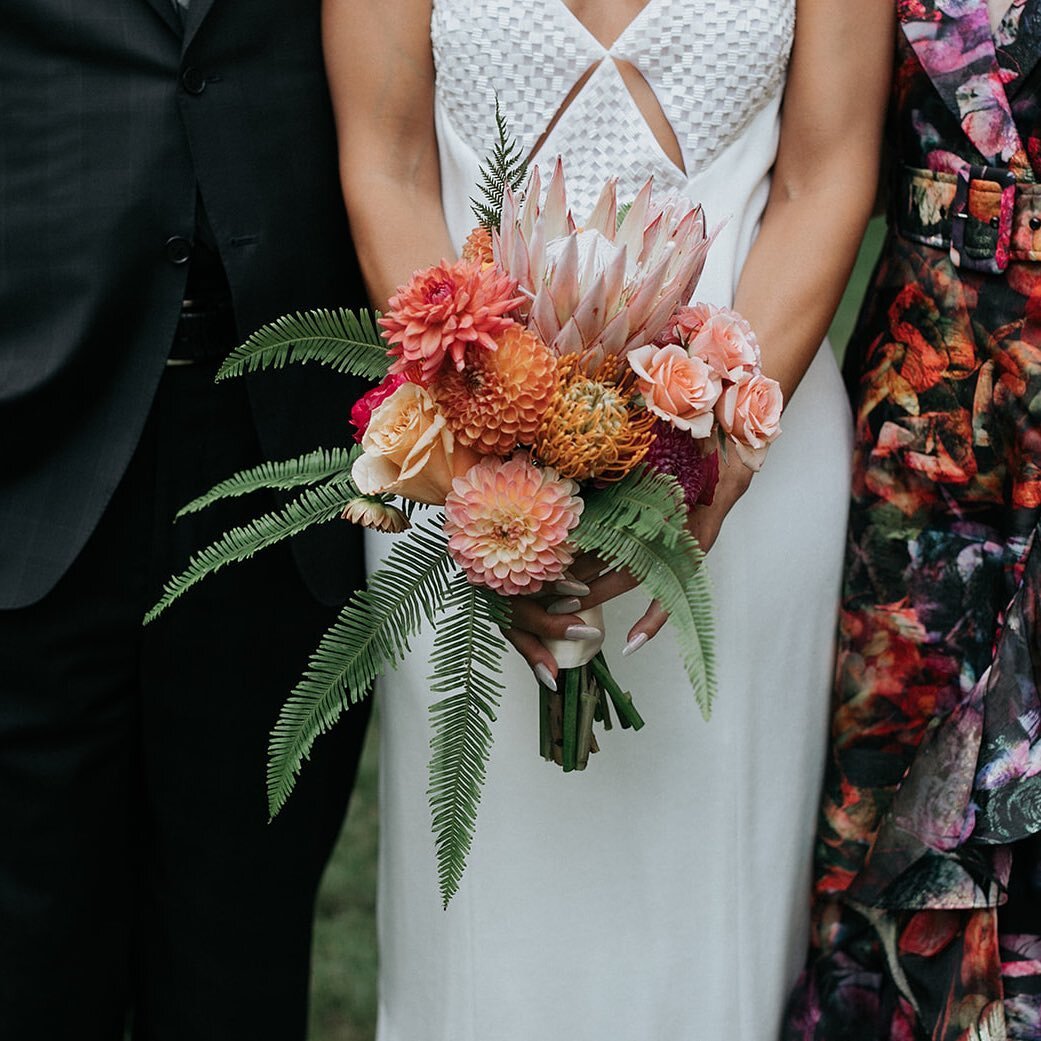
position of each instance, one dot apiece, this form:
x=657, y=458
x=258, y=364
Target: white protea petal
x=563, y=280
x=648, y=290
x=614, y=280
x=616, y=334
x=570, y=339
x=543, y=316
x=555, y=215
x=630, y=233
x=604, y=217
x=591, y=314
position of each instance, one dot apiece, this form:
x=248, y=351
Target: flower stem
x=588, y=699
x=623, y=700
x=572, y=679
x=545, y=731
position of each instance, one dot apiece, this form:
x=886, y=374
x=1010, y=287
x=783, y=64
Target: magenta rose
x=363, y=408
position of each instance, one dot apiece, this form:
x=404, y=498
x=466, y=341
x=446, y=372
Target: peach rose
x=750, y=414
x=725, y=341
x=676, y=387
x=409, y=450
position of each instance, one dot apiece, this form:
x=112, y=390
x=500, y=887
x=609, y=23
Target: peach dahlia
x=508, y=521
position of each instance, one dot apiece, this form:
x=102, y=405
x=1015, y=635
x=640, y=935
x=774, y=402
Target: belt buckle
x=976, y=244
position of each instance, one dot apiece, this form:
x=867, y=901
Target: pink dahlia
x=676, y=453
x=442, y=311
x=508, y=521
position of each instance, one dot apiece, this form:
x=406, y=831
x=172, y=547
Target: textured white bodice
x=713, y=66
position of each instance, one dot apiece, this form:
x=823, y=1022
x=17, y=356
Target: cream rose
x=680, y=389
x=725, y=341
x=409, y=451
x=750, y=414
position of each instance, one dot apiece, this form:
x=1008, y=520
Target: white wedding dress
x=662, y=894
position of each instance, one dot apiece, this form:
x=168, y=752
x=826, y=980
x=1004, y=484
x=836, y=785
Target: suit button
x=178, y=250
x=193, y=80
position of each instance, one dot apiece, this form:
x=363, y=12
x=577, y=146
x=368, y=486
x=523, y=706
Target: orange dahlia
x=442, y=311
x=478, y=247
x=495, y=401
x=593, y=425
x=508, y=521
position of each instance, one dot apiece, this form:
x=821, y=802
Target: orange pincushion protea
x=495, y=402
x=593, y=426
x=477, y=248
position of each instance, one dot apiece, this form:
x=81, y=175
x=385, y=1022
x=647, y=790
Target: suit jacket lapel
x=165, y=10
x=197, y=12
x=954, y=43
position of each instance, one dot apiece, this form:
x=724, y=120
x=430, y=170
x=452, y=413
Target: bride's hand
x=550, y=616
x=704, y=524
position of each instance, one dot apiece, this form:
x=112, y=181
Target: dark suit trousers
x=137, y=867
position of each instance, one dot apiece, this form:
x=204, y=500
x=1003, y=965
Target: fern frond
x=315, y=506
x=645, y=500
x=344, y=340
x=669, y=565
x=371, y=633
x=313, y=468
x=467, y=661
x=506, y=166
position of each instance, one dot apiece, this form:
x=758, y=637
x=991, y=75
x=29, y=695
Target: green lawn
x=343, y=1005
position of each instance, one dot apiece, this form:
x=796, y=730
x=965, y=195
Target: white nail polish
x=582, y=632
x=545, y=677
x=634, y=644
x=566, y=606
x=571, y=587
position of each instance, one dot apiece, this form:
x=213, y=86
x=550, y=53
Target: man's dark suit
x=136, y=867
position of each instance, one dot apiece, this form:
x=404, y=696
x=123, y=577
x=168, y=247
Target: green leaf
x=341, y=339
x=315, y=506
x=467, y=661
x=371, y=633
x=631, y=525
x=506, y=166
x=313, y=468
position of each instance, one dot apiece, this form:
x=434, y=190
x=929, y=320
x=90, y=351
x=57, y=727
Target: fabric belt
x=983, y=216
x=205, y=333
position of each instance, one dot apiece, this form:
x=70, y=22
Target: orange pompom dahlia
x=478, y=247
x=594, y=425
x=496, y=400
x=444, y=310
x=507, y=524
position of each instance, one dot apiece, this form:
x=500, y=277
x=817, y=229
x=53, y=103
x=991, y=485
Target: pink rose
x=750, y=414
x=726, y=342
x=677, y=387
x=363, y=408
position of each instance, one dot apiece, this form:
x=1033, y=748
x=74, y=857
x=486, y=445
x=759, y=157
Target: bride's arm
x=821, y=197
x=381, y=77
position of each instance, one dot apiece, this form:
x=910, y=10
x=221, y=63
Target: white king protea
x=606, y=287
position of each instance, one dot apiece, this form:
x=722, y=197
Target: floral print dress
x=927, y=895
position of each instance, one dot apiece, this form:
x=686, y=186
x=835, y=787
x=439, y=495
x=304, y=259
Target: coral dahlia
x=444, y=310
x=478, y=247
x=495, y=401
x=593, y=426
x=507, y=524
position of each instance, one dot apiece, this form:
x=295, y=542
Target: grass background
x=343, y=1000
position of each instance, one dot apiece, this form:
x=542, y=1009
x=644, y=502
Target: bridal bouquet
x=548, y=395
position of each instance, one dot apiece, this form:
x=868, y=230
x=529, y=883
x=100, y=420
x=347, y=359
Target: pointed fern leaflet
x=341, y=339
x=506, y=166
x=315, y=506
x=467, y=660
x=625, y=525
x=313, y=468
x=370, y=634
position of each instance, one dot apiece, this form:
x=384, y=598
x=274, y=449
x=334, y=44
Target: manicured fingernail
x=582, y=632
x=570, y=587
x=566, y=606
x=634, y=644
x=545, y=677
